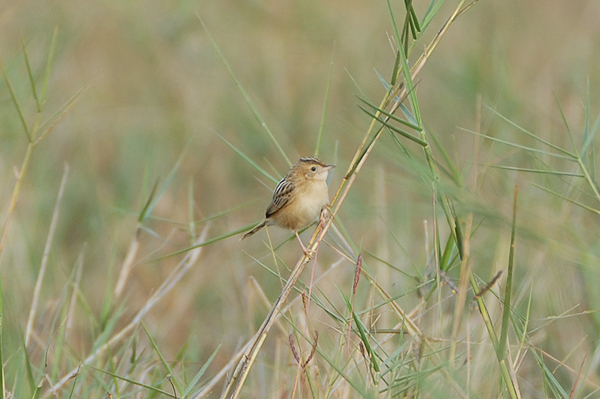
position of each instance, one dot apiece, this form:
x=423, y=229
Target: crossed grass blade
x=394, y=128
x=149, y=388
x=566, y=198
x=164, y=362
x=194, y=381
x=395, y=118
x=535, y=136
x=564, y=154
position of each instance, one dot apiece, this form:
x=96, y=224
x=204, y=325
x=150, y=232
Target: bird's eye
x=313, y=168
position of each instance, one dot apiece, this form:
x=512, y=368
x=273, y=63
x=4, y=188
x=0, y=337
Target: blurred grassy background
x=157, y=84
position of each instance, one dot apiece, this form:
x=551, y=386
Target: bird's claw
x=325, y=212
x=308, y=253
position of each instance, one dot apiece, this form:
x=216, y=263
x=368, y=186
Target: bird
x=298, y=198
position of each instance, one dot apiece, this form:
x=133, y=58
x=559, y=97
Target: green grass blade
x=147, y=205
x=590, y=154
x=49, y=64
x=457, y=228
x=201, y=372
x=28, y=368
x=247, y=98
x=197, y=222
x=325, y=106
x=16, y=103
x=446, y=259
x=539, y=171
x=58, y=115
x=340, y=371
x=191, y=213
x=586, y=119
x=248, y=159
x=223, y=213
x=382, y=80
x=362, y=331
x=159, y=190
x=395, y=129
x=399, y=41
x=532, y=135
x=164, y=362
x=570, y=157
x=503, y=342
x=396, y=70
x=431, y=12
x=589, y=133
x=150, y=388
x=410, y=10
x=392, y=116
x=549, y=378
x=564, y=119
x=208, y=242
x=454, y=172
x=31, y=79
x=589, y=208
x=410, y=117
x=410, y=90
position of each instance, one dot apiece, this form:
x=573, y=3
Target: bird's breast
x=306, y=206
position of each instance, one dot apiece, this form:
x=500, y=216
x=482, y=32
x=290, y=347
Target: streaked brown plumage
x=298, y=198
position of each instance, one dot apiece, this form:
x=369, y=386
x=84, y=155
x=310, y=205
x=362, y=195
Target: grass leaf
x=31, y=79
x=392, y=116
x=534, y=136
x=325, y=106
x=150, y=388
x=16, y=103
x=201, y=372
x=207, y=242
x=49, y=64
x=247, y=98
x=248, y=159
x=395, y=129
x=589, y=208
x=539, y=171
x=569, y=156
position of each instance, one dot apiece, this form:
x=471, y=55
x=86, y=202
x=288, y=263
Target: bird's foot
x=325, y=213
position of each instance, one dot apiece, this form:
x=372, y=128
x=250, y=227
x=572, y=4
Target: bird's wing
x=281, y=196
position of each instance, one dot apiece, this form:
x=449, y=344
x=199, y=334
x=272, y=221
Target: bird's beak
x=329, y=167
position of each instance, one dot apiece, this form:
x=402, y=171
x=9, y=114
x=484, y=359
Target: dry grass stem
x=44, y=264
x=176, y=275
x=132, y=251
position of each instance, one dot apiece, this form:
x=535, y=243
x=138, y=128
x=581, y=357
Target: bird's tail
x=254, y=230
